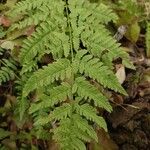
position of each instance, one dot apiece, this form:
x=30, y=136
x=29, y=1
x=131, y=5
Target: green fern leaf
x=36, y=42
x=47, y=75
x=100, y=12
x=26, y=5
x=66, y=135
x=95, y=69
x=74, y=33
x=23, y=104
x=57, y=95
x=83, y=125
x=90, y=113
x=59, y=113
x=7, y=71
x=78, y=144
x=40, y=15
x=86, y=90
x=82, y=135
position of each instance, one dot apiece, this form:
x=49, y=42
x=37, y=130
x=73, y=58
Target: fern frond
x=26, y=5
x=57, y=95
x=45, y=40
x=94, y=40
x=42, y=113
x=99, y=42
x=83, y=125
x=36, y=42
x=29, y=67
x=66, y=135
x=23, y=104
x=59, y=113
x=83, y=135
x=43, y=11
x=74, y=33
x=99, y=12
x=90, y=114
x=88, y=91
x=95, y=69
x=47, y=75
x=41, y=133
x=7, y=71
x=39, y=16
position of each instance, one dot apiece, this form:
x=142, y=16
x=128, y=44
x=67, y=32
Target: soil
x=130, y=128
x=129, y=123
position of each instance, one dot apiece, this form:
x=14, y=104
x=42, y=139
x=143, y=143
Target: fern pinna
x=74, y=32
x=7, y=68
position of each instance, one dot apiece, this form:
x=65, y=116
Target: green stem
x=70, y=31
x=71, y=80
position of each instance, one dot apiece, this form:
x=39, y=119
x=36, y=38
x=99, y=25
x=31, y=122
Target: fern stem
x=70, y=30
x=71, y=80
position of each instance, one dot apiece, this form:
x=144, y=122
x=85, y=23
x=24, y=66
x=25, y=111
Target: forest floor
x=129, y=123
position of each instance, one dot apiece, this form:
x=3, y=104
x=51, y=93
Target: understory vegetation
x=65, y=66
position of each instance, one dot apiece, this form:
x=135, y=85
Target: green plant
x=7, y=68
x=148, y=40
x=64, y=93
x=147, y=13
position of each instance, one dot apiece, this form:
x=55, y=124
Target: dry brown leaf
x=29, y=30
x=4, y=21
x=120, y=74
x=104, y=142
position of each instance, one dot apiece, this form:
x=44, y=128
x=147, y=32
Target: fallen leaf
x=8, y=45
x=127, y=49
x=120, y=74
x=10, y=3
x=121, y=116
x=4, y=21
x=117, y=99
x=104, y=142
x=29, y=30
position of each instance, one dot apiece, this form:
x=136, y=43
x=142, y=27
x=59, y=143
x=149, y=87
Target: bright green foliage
x=47, y=75
x=22, y=102
x=2, y=33
x=90, y=92
x=57, y=95
x=95, y=69
x=75, y=33
x=7, y=67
